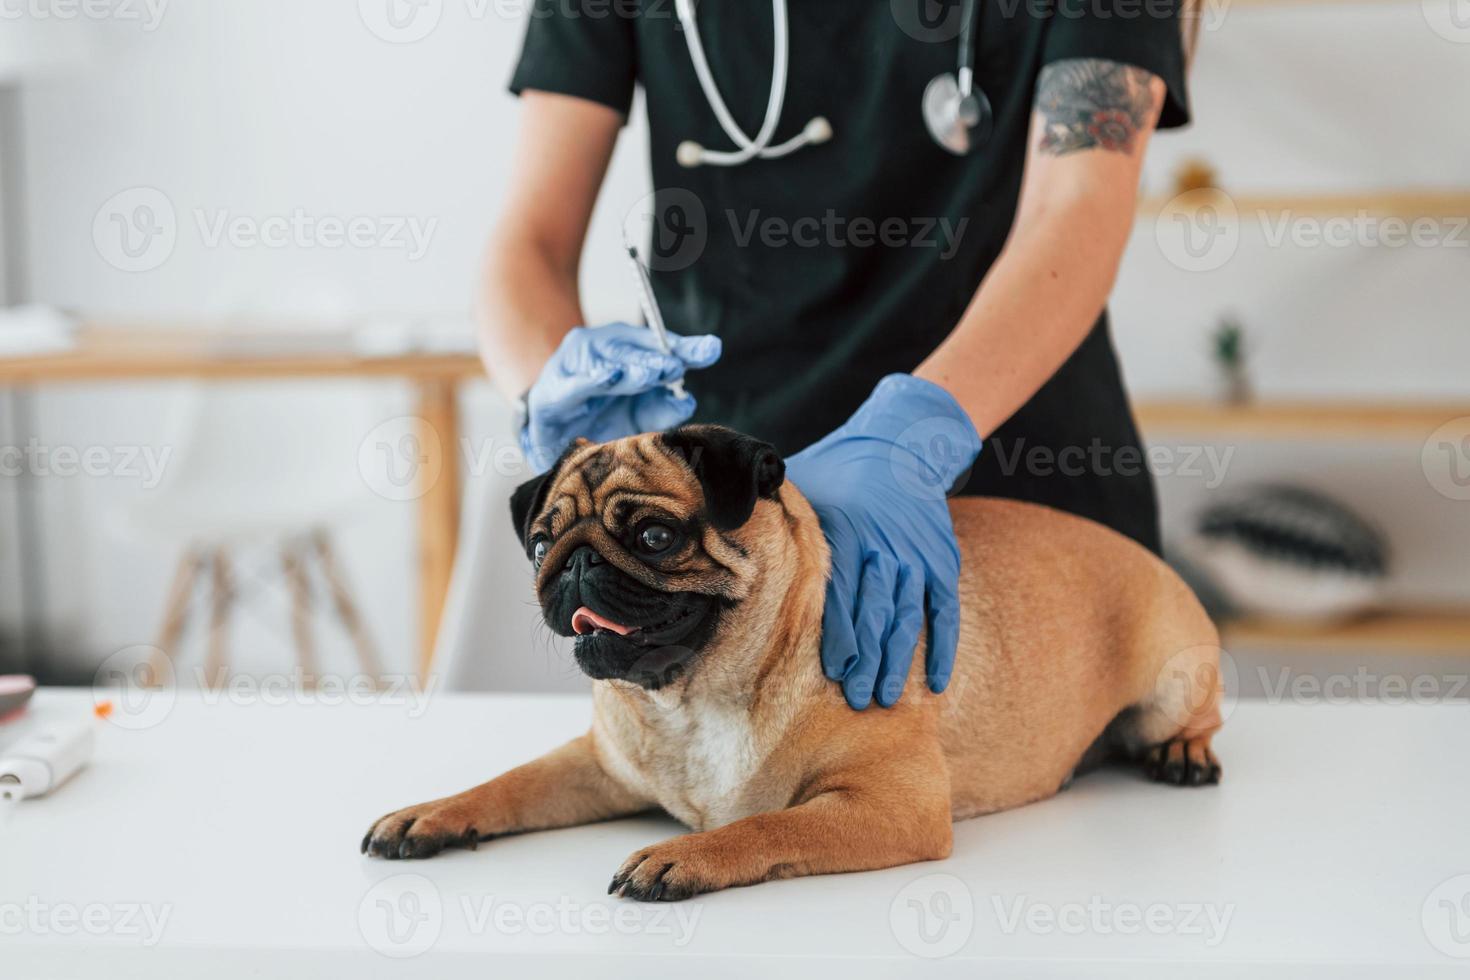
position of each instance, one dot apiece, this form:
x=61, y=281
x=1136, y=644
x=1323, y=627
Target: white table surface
x=1332, y=849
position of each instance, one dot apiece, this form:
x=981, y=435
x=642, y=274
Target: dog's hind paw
x=1182, y=762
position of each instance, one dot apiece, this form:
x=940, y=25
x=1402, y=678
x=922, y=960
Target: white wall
x=265, y=107
x=1322, y=99
x=261, y=109
x=1329, y=99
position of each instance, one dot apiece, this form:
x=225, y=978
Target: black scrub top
x=841, y=263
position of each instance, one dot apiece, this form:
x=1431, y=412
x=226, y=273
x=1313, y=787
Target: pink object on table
x=15, y=691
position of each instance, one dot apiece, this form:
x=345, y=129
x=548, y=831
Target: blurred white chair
x=492, y=637
x=268, y=466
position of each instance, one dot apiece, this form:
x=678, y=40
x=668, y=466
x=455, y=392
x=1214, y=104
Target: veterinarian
x=888, y=232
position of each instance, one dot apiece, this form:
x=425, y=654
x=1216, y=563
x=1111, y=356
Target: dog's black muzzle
x=661, y=632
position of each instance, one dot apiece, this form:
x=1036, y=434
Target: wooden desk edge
x=91, y=368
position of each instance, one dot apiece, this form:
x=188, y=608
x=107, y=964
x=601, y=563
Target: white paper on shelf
x=32, y=331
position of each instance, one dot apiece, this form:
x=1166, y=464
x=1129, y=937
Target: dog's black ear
x=734, y=470
x=530, y=497
x=526, y=503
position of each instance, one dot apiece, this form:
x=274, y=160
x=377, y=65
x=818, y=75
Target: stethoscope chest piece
x=958, y=120
x=958, y=114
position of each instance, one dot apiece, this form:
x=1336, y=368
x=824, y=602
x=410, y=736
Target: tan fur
x=1074, y=642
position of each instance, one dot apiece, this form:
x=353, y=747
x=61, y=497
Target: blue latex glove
x=879, y=484
x=608, y=382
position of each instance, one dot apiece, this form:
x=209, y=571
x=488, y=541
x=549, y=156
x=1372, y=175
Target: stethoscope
x=958, y=114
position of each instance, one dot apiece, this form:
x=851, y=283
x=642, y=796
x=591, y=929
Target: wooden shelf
x=126, y=353
x=1401, y=204
x=1445, y=631
x=1291, y=420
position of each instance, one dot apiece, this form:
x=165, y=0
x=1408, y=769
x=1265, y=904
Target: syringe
x=651, y=313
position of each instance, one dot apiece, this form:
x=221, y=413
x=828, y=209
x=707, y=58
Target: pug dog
x=693, y=578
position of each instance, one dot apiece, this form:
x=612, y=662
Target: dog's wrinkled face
x=637, y=545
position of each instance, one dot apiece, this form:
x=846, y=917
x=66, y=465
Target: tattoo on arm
x=1092, y=102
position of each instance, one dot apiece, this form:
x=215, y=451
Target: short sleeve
x=582, y=48
x=1147, y=34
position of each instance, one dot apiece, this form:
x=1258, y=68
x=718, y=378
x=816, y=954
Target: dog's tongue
x=584, y=621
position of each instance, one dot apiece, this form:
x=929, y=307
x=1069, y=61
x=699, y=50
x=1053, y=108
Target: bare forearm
x=1037, y=304
x=1091, y=128
x=529, y=299
x=529, y=302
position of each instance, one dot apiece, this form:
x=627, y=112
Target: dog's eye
x=654, y=538
x=539, y=547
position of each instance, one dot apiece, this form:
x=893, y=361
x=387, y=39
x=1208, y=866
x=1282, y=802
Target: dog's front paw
x=421, y=831
x=677, y=869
